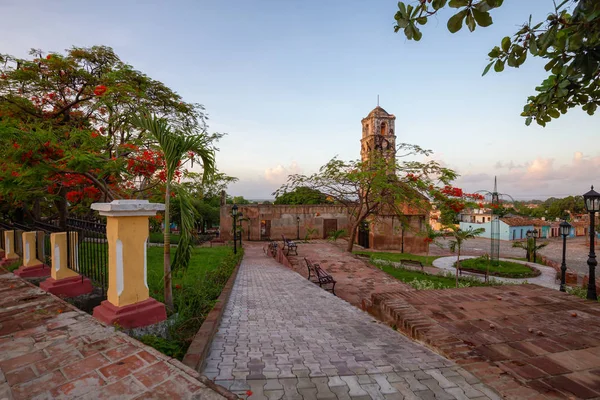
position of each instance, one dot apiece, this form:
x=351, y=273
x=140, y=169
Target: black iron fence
x=87, y=250
x=87, y=247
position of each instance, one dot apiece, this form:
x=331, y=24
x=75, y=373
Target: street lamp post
x=297, y=228
x=592, y=204
x=234, y=211
x=565, y=228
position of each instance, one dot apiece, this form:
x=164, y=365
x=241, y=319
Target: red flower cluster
x=452, y=191
x=428, y=240
x=412, y=177
x=100, y=90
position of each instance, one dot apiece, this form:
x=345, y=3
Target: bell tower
x=378, y=134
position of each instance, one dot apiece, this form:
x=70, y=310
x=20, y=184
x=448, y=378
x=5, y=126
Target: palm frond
x=184, y=248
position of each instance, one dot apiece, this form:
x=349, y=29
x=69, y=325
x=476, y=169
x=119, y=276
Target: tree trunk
x=63, y=210
x=457, y=265
x=167, y=249
x=352, y=236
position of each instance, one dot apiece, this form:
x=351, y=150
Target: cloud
x=280, y=173
x=538, y=178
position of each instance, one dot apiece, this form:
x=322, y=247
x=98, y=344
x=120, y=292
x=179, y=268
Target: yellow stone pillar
x=127, y=228
x=32, y=267
x=9, y=247
x=63, y=280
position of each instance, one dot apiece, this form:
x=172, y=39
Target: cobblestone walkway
x=546, y=279
x=283, y=337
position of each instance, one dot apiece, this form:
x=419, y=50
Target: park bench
x=271, y=248
x=290, y=246
x=473, y=271
x=412, y=263
x=321, y=277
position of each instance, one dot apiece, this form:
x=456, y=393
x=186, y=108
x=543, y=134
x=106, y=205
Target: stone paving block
x=290, y=389
x=273, y=384
x=457, y=393
x=442, y=380
x=384, y=385
x=308, y=393
x=440, y=393
x=273, y=394
x=469, y=391
x=354, y=386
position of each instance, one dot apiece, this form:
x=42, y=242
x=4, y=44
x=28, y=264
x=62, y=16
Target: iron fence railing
x=87, y=250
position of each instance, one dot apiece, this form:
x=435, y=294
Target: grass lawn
x=158, y=237
x=397, y=256
x=506, y=269
x=423, y=281
x=195, y=291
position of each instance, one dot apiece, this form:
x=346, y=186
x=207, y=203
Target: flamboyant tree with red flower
x=66, y=138
x=451, y=201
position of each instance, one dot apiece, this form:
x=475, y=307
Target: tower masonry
x=378, y=134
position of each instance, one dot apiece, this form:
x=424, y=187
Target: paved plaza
x=281, y=336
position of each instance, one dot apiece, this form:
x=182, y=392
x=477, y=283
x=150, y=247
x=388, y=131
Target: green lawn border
x=534, y=271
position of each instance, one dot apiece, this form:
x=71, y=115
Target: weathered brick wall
x=385, y=232
x=283, y=220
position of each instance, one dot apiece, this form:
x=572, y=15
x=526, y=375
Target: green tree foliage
x=568, y=41
x=302, y=195
x=529, y=247
x=240, y=200
x=65, y=135
x=552, y=208
x=377, y=186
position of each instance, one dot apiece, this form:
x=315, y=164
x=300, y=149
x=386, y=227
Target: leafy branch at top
x=568, y=39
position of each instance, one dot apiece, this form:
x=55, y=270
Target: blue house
x=511, y=228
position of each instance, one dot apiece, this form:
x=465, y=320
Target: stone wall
x=263, y=221
x=277, y=220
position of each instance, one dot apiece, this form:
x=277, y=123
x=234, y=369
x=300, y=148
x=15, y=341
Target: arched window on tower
x=383, y=128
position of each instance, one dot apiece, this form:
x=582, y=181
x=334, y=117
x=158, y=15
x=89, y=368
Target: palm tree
x=177, y=147
x=430, y=236
x=528, y=246
x=459, y=238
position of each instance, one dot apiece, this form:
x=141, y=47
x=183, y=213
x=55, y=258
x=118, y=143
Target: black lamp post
x=297, y=228
x=592, y=204
x=234, y=211
x=565, y=229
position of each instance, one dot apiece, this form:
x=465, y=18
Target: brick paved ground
x=524, y=340
x=49, y=349
x=282, y=336
x=356, y=279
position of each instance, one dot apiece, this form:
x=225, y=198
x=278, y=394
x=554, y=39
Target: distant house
x=475, y=216
x=543, y=227
x=513, y=228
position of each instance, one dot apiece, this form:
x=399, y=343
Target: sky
x=289, y=81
